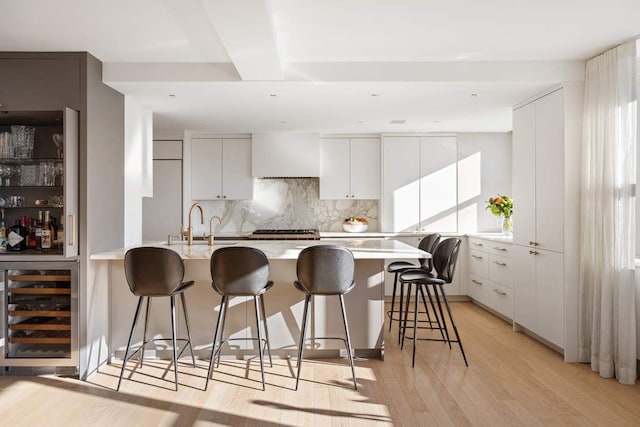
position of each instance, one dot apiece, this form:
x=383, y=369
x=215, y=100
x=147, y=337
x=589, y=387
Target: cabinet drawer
x=478, y=244
x=477, y=288
x=478, y=263
x=501, y=270
x=500, y=299
x=502, y=249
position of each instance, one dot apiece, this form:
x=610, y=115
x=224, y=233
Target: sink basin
x=200, y=243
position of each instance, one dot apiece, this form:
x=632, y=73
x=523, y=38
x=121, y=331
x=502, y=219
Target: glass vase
x=506, y=225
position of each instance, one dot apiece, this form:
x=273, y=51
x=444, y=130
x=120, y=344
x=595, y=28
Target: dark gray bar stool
x=325, y=270
x=240, y=271
x=156, y=272
x=427, y=244
x=445, y=259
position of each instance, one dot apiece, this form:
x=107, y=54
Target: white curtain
x=607, y=322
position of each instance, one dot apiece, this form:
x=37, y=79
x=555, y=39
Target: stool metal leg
x=435, y=313
x=173, y=337
x=415, y=326
x=266, y=329
x=133, y=331
x=255, y=302
x=224, y=319
x=401, y=311
x=406, y=313
x=144, y=334
x=393, y=302
x=186, y=321
x=221, y=315
x=455, y=328
x=303, y=332
x=349, y=348
x=444, y=321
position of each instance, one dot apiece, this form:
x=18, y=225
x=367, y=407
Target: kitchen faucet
x=210, y=237
x=189, y=231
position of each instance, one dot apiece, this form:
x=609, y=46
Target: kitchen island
x=284, y=303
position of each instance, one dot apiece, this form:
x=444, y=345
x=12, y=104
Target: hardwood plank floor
x=511, y=380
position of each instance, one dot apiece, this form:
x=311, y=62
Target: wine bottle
x=3, y=231
x=17, y=237
x=47, y=233
x=38, y=231
x=31, y=232
x=60, y=235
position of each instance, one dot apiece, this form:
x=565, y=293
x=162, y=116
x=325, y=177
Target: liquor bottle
x=3, y=231
x=17, y=237
x=47, y=233
x=60, y=235
x=38, y=231
x=31, y=232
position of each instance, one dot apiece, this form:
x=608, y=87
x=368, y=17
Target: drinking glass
x=59, y=141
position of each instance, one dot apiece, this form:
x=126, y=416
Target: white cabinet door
x=524, y=176
x=364, y=178
x=549, y=176
x=438, y=184
x=206, y=169
x=401, y=184
x=550, y=296
x=237, y=182
x=334, y=168
x=524, y=287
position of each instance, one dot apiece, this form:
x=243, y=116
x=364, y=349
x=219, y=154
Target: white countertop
x=363, y=248
x=496, y=237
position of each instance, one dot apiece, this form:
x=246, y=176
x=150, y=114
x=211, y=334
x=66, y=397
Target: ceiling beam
x=246, y=30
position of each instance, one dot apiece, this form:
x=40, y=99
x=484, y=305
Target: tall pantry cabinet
x=546, y=165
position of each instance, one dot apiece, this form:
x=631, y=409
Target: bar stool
x=325, y=270
x=240, y=271
x=427, y=244
x=445, y=258
x=156, y=272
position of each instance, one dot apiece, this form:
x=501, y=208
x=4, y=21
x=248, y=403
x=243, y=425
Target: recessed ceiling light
x=475, y=95
x=273, y=95
x=398, y=122
x=375, y=94
x=172, y=95
x=360, y=121
x=283, y=122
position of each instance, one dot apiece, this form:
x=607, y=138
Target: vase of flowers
x=502, y=206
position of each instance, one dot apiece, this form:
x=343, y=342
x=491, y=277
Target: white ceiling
x=224, y=59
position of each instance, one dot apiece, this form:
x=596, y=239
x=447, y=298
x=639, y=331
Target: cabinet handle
x=532, y=243
x=476, y=282
x=500, y=263
x=218, y=196
x=72, y=239
x=476, y=256
x=347, y=196
x=499, y=249
x=499, y=292
x=353, y=197
x=534, y=252
x=224, y=197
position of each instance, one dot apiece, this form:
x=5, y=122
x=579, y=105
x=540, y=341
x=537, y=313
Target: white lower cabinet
x=490, y=278
x=539, y=292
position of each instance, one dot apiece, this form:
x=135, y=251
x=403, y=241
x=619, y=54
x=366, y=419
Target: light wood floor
x=511, y=380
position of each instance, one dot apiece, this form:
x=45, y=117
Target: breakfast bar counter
x=284, y=303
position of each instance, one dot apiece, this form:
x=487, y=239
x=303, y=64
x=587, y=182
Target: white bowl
x=355, y=228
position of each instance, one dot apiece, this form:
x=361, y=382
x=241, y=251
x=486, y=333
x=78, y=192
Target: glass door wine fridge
x=40, y=315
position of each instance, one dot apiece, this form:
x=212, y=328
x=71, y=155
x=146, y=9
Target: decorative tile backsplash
x=288, y=203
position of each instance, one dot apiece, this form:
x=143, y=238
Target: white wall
x=484, y=170
x=138, y=169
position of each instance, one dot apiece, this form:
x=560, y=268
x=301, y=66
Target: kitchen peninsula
x=284, y=304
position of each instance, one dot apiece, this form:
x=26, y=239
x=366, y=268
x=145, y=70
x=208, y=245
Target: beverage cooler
x=39, y=242
x=40, y=322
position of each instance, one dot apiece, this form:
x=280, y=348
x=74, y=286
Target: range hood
x=285, y=155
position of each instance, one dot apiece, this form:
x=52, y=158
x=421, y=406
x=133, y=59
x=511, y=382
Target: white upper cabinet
x=419, y=183
x=221, y=169
x=538, y=179
x=350, y=168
